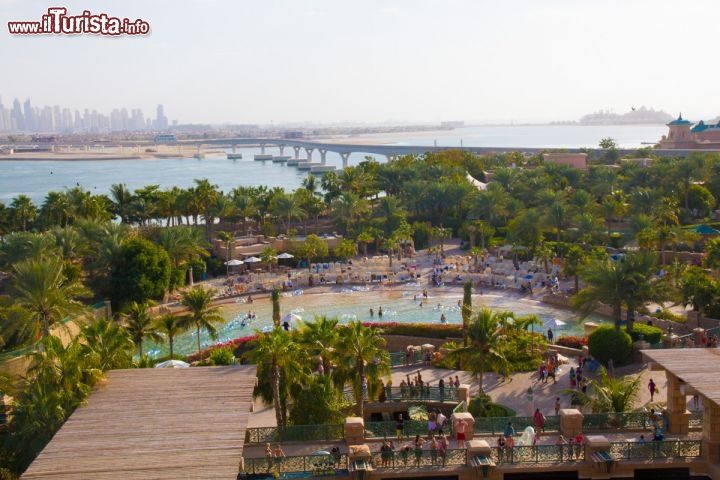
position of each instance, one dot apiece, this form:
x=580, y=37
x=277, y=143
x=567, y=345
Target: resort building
x=577, y=160
x=683, y=135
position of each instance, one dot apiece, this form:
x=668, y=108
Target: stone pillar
x=345, y=157
x=282, y=149
x=711, y=431
x=262, y=149
x=571, y=422
x=678, y=415
x=233, y=148
x=309, y=153
x=594, y=444
x=297, y=152
x=323, y=152
x=464, y=394
x=697, y=336
x=469, y=420
x=354, y=431
x=479, y=457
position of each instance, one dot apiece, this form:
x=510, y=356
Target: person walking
x=557, y=406
x=652, y=388
x=539, y=421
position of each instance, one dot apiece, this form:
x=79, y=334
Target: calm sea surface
x=37, y=178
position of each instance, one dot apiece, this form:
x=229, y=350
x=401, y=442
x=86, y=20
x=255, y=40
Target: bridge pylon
x=345, y=157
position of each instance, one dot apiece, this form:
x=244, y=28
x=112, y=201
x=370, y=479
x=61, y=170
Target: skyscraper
x=17, y=115
x=161, y=122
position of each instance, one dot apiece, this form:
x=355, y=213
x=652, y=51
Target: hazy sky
x=373, y=60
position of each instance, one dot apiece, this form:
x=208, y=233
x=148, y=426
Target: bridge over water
x=392, y=151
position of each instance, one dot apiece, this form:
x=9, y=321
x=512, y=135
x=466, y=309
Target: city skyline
x=26, y=118
x=424, y=61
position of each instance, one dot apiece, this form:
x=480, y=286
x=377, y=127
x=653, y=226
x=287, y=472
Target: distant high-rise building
x=161, y=122
x=17, y=116
x=30, y=119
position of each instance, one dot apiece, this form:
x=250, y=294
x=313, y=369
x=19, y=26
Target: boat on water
x=234, y=156
x=261, y=156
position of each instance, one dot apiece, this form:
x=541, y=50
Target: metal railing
x=313, y=465
x=412, y=394
x=538, y=454
x=495, y=425
x=423, y=458
x=656, y=449
x=297, y=433
x=620, y=421
x=401, y=359
x=410, y=429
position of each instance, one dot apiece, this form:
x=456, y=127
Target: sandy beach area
x=146, y=152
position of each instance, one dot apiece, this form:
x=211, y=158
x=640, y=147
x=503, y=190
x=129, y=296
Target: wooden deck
x=695, y=366
x=155, y=423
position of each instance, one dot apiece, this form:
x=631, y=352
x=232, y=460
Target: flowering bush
x=233, y=345
x=572, y=341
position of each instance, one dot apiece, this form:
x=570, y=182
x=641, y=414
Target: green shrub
x=482, y=406
x=650, y=334
x=607, y=343
x=668, y=315
x=221, y=356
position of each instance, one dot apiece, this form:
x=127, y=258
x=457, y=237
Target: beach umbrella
x=253, y=260
x=529, y=276
x=290, y=321
x=554, y=323
x=234, y=262
x=285, y=255
x=172, y=364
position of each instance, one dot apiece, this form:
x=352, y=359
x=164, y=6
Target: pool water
x=402, y=305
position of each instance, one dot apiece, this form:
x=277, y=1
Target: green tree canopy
x=140, y=272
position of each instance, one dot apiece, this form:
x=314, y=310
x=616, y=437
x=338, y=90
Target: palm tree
x=466, y=310
x=625, y=282
x=363, y=360
x=22, y=210
x=275, y=297
x=140, y=324
x=122, y=201
x=171, y=326
x=43, y=289
x=347, y=208
x=202, y=315
x=227, y=238
x=277, y=355
x=606, y=393
x=320, y=337
x=483, y=353
x=109, y=344
x=287, y=207
x=206, y=194
x=183, y=244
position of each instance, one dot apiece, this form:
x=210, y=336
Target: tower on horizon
x=161, y=121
